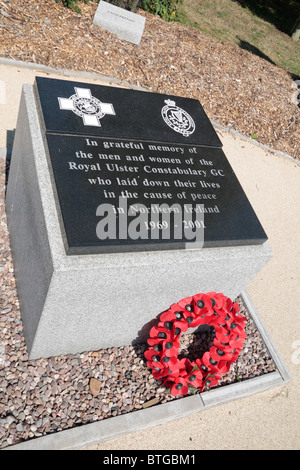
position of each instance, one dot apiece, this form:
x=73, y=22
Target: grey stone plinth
x=125, y=24
x=71, y=304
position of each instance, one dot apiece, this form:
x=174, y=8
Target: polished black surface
x=91, y=171
x=128, y=114
x=131, y=171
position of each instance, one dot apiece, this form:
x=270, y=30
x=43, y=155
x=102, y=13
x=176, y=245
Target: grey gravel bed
x=48, y=395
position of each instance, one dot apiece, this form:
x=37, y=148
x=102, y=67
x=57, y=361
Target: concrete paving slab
x=270, y=419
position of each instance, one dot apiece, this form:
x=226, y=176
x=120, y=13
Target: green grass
x=255, y=25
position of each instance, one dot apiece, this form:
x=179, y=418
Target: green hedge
x=72, y=4
x=167, y=9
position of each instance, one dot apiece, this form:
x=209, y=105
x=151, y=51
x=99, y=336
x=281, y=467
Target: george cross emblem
x=89, y=108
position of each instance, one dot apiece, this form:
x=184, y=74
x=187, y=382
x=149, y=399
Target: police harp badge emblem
x=178, y=119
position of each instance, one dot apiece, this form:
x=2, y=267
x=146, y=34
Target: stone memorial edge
x=74, y=304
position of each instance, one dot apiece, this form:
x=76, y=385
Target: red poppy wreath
x=183, y=375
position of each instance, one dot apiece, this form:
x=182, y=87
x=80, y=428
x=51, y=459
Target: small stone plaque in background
x=125, y=24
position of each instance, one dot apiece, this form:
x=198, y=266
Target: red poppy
x=223, y=368
x=185, y=314
x=218, y=354
x=170, y=348
x=217, y=300
x=223, y=335
x=159, y=372
x=164, y=343
x=211, y=366
x=228, y=305
x=209, y=381
x=223, y=345
x=179, y=387
x=194, y=375
x=152, y=357
x=174, y=320
x=158, y=333
x=235, y=325
x=185, y=366
x=238, y=341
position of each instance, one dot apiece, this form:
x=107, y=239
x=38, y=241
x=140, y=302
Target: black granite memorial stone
x=87, y=109
x=130, y=169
